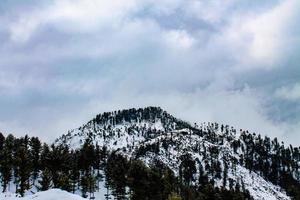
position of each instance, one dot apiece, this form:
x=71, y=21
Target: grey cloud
x=197, y=66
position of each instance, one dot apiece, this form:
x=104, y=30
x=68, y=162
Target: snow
x=258, y=187
x=120, y=138
x=125, y=138
x=52, y=194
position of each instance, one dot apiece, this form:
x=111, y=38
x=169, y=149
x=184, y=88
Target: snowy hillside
x=147, y=153
x=152, y=135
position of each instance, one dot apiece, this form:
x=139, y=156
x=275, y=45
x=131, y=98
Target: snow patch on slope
x=258, y=187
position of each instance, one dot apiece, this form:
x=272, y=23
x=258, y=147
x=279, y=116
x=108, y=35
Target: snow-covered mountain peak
x=133, y=123
x=224, y=156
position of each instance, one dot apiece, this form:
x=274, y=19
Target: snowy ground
x=53, y=194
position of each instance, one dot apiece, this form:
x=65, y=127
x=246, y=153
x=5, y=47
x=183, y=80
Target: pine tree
x=45, y=181
x=35, y=151
x=23, y=166
x=45, y=156
x=84, y=186
x=116, y=169
x=6, y=162
x=187, y=169
x=225, y=173
x=58, y=161
x=2, y=141
x=170, y=182
x=138, y=180
x=87, y=160
x=75, y=172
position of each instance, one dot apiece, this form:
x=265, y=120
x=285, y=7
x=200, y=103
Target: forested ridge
x=28, y=163
x=168, y=159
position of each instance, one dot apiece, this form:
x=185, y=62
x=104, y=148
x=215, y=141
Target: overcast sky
x=233, y=62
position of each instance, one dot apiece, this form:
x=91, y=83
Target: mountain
x=226, y=157
x=148, y=154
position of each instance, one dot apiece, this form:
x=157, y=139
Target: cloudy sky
x=233, y=62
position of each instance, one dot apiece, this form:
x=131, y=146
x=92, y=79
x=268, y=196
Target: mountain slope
x=221, y=154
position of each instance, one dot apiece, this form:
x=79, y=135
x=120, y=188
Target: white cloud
x=241, y=109
x=269, y=32
x=162, y=7
x=22, y=30
x=266, y=36
x=211, y=11
x=71, y=15
x=188, y=57
x=179, y=39
x=291, y=93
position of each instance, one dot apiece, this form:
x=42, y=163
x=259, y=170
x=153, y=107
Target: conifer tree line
x=28, y=163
